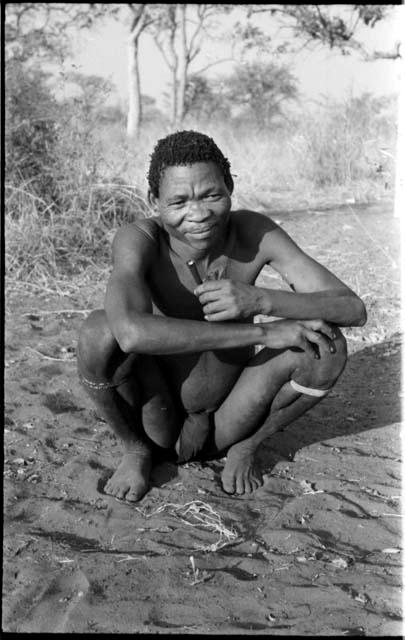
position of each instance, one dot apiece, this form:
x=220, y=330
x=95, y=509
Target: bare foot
x=240, y=474
x=131, y=479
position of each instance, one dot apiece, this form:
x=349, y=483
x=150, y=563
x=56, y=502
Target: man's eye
x=213, y=196
x=177, y=203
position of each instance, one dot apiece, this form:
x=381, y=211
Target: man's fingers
x=320, y=340
x=321, y=325
x=214, y=307
x=307, y=346
x=208, y=285
x=219, y=316
x=209, y=296
x=326, y=333
x=326, y=329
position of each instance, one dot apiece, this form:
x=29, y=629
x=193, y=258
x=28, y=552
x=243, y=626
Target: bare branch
x=194, y=53
x=212, y=64
x=170, y=63
x=194, y=48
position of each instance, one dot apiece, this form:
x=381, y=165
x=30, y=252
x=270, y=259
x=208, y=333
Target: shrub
x=31, y=132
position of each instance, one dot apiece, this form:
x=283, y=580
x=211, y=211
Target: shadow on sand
x=366, y=397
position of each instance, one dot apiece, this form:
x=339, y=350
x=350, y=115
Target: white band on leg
x=318, y=393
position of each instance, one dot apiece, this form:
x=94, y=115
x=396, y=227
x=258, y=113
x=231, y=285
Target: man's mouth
x=200, y=231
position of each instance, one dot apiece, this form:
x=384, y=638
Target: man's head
x=185, y=148
x=190, y=188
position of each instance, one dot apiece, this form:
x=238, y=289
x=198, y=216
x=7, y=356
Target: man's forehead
x=190, y=173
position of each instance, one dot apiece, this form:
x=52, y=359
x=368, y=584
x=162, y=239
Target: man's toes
x=121, y=492
x=250, y=485
x=240, y=485
x=135, y=494
x=228, y=484
x=109, y=488
x=257, y=481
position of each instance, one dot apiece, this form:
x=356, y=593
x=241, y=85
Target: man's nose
x=198, y=211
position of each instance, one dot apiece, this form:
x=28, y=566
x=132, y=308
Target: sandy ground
x=315, y=551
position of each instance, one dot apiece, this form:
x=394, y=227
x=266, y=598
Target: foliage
x=321, y=24
x=254, y=92
x=41, y=30
x=260, y=91
x=341, y=141
x=31, y=132
x=61, y=198
x=203, y=98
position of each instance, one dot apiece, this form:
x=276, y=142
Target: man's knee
x=96, y=342
x=323, y=373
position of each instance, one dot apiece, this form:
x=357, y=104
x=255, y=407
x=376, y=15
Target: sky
x=320, y=73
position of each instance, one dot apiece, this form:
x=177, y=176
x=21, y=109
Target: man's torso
x=200, y=380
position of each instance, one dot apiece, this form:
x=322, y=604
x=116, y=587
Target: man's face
x=194, y=203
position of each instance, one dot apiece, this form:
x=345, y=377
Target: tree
x=40, y=30
x=203, y=98
x=260, y=89
x=178, y=33
x=311, y=25
x=139, y=23
x=320, y=24
x=138, y=18
x=34, y=30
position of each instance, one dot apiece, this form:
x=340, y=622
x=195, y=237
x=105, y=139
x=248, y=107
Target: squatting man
x=172, y=364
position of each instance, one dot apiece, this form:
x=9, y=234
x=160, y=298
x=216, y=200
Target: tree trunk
x=173, y=63
x=182, y=68
x=134, y=117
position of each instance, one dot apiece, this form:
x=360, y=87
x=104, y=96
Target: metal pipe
x=194, y=271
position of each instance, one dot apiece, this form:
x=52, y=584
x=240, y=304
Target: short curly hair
x=183, y=148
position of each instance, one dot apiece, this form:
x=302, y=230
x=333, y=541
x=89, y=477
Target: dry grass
x=201, y=515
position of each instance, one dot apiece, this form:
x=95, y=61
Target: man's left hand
x=228, y=300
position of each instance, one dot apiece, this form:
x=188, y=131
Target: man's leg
x=132, y=395
x=263, y=402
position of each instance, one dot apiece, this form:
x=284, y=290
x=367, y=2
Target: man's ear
x=153, y=201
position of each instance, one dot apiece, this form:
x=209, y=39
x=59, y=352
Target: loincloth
x=195, y=435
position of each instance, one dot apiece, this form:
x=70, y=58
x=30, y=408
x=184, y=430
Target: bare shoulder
x=252, y=228
x=253, y=224
x=136, y=242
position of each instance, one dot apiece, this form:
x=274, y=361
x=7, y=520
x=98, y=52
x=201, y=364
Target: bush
x=63, y=200
x=340, y=142
x=31, y=132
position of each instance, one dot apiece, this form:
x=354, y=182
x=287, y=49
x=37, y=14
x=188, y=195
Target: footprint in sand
x=53, y=610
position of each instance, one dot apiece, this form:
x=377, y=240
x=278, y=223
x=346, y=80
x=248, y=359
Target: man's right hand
x=313, y=336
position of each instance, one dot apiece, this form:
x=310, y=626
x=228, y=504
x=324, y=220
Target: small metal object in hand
x=194, y=271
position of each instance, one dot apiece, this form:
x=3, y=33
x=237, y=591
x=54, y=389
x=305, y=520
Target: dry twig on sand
x=56, y=312
x=43, y=355
x=197, y=513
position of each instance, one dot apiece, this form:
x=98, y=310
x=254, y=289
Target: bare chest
x=172, y=284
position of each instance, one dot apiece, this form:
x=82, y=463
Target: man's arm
x=317, y=293
x=128, y=307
